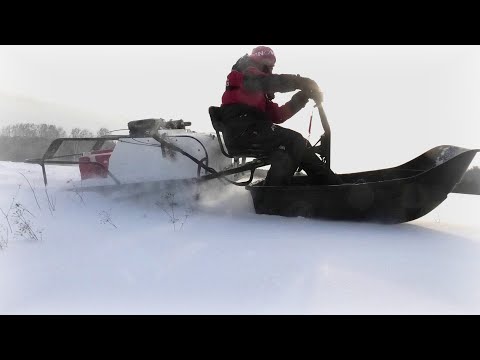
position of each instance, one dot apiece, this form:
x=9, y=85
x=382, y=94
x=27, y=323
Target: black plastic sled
x=394, y=195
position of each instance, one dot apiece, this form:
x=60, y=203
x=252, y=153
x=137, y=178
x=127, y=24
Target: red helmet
x=263, y=55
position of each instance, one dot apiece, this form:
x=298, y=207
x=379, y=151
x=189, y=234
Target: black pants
x=288, y=149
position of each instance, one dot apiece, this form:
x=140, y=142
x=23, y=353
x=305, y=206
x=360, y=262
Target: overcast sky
x=385, y=104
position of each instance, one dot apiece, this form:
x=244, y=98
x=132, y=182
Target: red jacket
x=253, y=86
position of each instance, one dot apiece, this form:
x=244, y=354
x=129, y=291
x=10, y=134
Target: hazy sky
x=385, y=104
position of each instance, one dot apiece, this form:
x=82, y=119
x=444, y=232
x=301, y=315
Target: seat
x=232, y=152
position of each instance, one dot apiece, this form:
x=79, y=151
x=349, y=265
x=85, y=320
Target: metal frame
x=49, y=158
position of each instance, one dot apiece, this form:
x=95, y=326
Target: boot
x=317, y=170
x=281, y=169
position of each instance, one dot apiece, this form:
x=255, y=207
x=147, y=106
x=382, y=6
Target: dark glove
x=298, y=101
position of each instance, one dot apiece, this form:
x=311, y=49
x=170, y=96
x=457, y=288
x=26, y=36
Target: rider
x=251, y=117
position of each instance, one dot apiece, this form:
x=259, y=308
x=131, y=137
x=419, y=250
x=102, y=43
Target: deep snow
x=95, y=255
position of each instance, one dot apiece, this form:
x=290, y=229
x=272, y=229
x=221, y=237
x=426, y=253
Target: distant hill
x=470, y=183
x=22, y=148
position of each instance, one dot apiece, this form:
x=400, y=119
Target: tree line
x=22, y=141
x=46, y=131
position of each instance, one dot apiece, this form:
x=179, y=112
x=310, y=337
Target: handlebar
x=326, y=137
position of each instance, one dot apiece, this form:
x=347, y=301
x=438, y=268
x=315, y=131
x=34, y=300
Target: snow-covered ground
x=72, y=252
